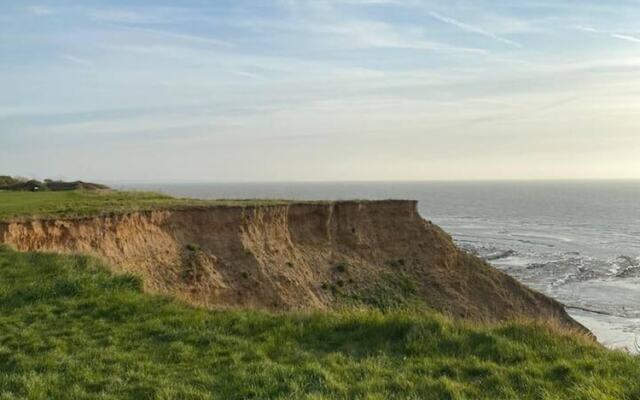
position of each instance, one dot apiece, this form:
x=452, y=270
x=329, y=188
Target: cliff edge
x=294, y=256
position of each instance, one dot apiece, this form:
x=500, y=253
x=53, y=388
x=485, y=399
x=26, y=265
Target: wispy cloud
x=76, y=60
x=246, y=74
x=121, y=16
x=626, y=37
x=39, y=10
x=585, y=28
x=334, y=30
x=473, y=29
x=381, y=35
x=180, y=36
x=143, y=15
x=612, y=34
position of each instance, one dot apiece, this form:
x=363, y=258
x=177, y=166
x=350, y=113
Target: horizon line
x=487, y=180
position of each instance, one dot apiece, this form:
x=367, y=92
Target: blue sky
x=320, y=89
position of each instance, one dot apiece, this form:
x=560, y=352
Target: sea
x=576, y=241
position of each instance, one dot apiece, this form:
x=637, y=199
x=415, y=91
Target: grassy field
x=70, y=330
x=85, y=203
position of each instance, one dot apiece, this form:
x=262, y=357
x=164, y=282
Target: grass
x=71, y=330
x=81, y=203
x=389, y=292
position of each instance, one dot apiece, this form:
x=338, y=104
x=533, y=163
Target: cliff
x=293, y=256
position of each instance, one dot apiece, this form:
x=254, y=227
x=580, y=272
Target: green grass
x=71, y=330
x=86, y=203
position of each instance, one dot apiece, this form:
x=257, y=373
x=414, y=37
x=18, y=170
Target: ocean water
x=576, y=241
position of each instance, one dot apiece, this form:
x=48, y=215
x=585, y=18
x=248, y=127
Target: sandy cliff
x=294, y=256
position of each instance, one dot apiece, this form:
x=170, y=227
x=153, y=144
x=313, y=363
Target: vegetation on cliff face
x=78, y=203
x=71, y=330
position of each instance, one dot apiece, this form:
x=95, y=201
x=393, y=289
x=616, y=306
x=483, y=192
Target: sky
x=320, y=90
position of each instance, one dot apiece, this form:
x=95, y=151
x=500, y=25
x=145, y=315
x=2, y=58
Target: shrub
x=192, y=247
x=342, y=267
x=397, y=263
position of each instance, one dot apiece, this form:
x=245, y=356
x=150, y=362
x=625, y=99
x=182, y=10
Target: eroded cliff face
x=294, y=256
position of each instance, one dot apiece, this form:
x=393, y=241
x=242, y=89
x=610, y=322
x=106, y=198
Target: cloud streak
x=77, y=60
x=626, y=37
x=180, y=36
x=381, y=35
x=585, y=28
x=473, y=29
x=40, y=10
x=612, y=34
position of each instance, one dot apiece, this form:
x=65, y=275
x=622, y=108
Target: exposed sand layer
x=292, y=256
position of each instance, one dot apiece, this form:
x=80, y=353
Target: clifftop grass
x=81, y=203
x=71, y=330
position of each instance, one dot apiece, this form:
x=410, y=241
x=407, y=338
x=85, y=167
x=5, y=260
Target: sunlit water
x=578, y=242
